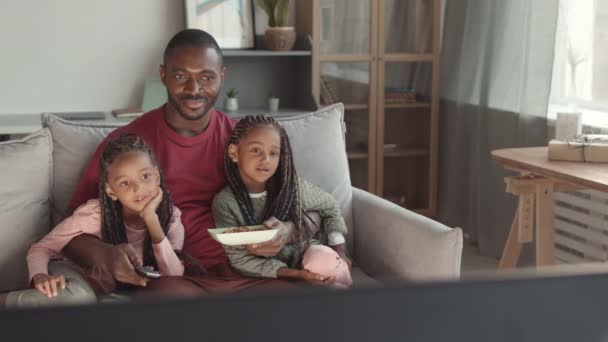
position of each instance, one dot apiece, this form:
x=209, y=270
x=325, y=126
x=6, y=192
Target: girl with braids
x=262, y=184
x=134, y=208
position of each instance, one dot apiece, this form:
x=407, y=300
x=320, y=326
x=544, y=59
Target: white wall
x=81, y=55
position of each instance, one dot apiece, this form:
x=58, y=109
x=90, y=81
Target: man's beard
x=203, y=110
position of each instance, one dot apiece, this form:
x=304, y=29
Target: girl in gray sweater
x=263, y=183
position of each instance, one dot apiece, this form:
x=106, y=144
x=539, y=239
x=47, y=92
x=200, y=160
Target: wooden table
x=535, y=185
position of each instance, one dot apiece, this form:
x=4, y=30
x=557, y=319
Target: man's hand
x=122, y=261
x=49, y=285
x=272, y=247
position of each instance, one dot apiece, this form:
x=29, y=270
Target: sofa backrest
x=73, y=145
x=317, y=141
x=25, y=188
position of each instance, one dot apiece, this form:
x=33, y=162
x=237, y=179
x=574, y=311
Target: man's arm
x=118, y=260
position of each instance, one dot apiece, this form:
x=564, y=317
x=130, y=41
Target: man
x=188, y=137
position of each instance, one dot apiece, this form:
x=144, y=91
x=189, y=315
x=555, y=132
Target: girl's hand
x=273, y=246
x=316, y=279
x=49, y=285
x=148, y=213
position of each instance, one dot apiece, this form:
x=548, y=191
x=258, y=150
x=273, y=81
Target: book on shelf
x=327, y=92
x=403, y=95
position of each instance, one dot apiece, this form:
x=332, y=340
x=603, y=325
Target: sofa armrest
x=392, y=243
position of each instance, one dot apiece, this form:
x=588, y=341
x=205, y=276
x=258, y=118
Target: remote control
x=147, y=272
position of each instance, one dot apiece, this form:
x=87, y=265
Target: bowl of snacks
x=246, y=235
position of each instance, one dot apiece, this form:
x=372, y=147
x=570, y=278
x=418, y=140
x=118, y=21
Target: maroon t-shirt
x=193, y=169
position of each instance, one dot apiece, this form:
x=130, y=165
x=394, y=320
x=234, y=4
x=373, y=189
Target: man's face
x=194, y=77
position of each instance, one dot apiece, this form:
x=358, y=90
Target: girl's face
x=257, y=156
x=133, y=180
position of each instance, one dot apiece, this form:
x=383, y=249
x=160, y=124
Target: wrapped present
x=585, y=148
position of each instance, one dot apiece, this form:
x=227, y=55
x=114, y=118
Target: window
x=580, y=70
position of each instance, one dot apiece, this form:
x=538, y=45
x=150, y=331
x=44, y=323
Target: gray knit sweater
x=227, y=213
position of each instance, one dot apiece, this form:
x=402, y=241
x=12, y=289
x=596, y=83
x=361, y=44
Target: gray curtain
x=496, y=66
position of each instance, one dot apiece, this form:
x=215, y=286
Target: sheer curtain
x=496, y=68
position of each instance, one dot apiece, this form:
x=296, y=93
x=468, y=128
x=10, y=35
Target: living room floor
x=474, y=262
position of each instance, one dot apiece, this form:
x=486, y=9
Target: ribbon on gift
x=585, y=140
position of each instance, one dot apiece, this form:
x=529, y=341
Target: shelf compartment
x=265, y=53
x=284, y=112
x=402, y=151
x=356, y=107
x=344, y=82
x=408, y=26
x=406, y=181
x=408, y=57
x=407, y=105
x=353, y=155
x=358, y=173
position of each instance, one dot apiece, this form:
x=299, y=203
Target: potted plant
x=278, y=36
x=232, y=103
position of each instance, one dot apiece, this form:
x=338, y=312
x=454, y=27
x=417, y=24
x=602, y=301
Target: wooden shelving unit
x=259, y=73
x=406, y=152
x=265, y=53
x=382, y=62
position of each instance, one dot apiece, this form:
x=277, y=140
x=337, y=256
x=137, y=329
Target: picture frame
x=230, y=22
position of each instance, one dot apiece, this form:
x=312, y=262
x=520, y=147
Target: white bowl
x=243, y=238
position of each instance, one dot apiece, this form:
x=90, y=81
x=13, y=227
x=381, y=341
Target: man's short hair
x=193, y=38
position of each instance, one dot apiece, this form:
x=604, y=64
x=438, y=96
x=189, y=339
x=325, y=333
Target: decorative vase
x=232, y=104
x=280, y=38
x=273, y=104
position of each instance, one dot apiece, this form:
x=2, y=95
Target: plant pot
x=280, y=38
x=273, y=104
x=231, y=104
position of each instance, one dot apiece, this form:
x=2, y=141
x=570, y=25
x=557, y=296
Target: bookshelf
x=381, y=59
x=258, y=74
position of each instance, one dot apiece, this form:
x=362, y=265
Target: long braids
x=113, y=228
x=283, y=188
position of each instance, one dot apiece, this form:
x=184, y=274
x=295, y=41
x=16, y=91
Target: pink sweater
x=87, y=220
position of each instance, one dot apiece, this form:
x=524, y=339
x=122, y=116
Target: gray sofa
x=387, y=242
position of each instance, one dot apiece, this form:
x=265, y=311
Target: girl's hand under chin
x=148, y=213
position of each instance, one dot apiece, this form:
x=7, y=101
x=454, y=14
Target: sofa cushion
x=25, y=187
x=362, y=279
x=319, y=150
x=73, y=145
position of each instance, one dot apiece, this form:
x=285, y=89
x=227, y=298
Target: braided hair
x=113, y=228
x=282, y=189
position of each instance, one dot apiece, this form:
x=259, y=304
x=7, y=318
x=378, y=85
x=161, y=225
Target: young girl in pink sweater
x=134, y=207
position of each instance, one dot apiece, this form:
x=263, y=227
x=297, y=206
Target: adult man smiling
x=188, y=136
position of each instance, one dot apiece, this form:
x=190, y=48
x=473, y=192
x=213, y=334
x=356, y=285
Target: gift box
x=585, y=148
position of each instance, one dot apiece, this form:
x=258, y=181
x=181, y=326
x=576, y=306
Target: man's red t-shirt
x=193, y=169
